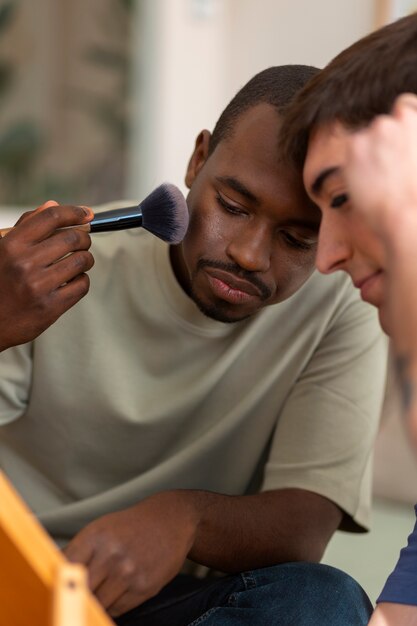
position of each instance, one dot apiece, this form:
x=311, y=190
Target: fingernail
x=46, y=205
x=87, y=210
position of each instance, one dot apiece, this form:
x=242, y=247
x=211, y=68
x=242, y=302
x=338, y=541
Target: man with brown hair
x=349, y=133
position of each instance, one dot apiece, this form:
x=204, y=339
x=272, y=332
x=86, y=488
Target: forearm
x=140, y=549
x=390, y=614
x=236, y=533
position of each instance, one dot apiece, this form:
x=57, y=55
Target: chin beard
x=218, y=313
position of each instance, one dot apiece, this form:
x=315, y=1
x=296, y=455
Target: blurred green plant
x=21, y=142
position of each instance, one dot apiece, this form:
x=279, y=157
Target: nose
x=334, y=249
x=250, y=247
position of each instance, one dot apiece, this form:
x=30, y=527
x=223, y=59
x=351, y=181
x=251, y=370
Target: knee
x=312, y=575
x=314, y=584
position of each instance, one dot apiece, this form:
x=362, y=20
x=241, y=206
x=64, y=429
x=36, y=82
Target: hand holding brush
x=163, y=213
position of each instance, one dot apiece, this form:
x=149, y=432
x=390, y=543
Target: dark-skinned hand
x=132, y=554
x=42, y=270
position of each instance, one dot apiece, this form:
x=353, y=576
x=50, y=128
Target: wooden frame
x=38, y=586
x=390, y=10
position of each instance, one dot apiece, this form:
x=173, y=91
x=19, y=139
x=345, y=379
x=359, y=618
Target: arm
x=42, y=272
x=131, y=555
x=390, y=614
x=397, y=603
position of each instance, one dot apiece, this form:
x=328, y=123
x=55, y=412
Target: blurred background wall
x=104, y=99
x=191, y=56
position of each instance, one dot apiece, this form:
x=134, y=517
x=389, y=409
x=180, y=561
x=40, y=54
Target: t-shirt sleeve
x=15, y=381
x=401, y=585
x=326, y=430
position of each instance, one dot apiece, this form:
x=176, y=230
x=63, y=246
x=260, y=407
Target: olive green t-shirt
x=134, y=391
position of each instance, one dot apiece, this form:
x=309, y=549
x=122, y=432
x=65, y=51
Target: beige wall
x=193, y=55
x=190, y=57
x=271, y=32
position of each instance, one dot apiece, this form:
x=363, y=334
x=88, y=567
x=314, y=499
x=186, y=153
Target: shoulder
x=325, y=302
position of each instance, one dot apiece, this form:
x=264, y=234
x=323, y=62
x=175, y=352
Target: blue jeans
x=291, y=594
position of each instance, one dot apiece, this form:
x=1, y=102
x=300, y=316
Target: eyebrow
x=234, y=183
x=316, y=187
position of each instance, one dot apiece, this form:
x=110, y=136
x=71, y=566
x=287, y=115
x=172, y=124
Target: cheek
x=291, y=270
x=368, y=244
x=204, y=235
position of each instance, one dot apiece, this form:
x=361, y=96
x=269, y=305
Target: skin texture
x=345, y=240
x=370, y=233
x=251, y=243
x=385, y=197
x=389, y=207
x=249, y=219
x=389, y=614
x=132, y=554
x=375, y=230
x=37, y=283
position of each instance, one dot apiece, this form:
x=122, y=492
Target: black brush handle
x=117, y=219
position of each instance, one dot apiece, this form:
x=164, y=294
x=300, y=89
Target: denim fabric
x=291, y=594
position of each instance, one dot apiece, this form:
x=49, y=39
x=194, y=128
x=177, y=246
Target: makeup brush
x=163, y=213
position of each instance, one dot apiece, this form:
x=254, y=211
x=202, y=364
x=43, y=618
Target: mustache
x=236, y=270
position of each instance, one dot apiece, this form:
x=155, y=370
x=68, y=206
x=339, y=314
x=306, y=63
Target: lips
x=369, y=287
x=233, y=282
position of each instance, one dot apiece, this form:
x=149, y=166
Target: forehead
x=326, y=151
x=251, y=155
x=253, y=136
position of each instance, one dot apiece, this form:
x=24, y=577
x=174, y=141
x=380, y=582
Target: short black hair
x=275, y=85
x=360, y=83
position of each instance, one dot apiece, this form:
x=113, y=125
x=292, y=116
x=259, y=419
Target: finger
x=65, y=270
x=45, y=205
x=78, y=551
x=126, y=602
x=98, y=572
x=68, y=295
x=110, y=592
x=59, y=245
x=42, y=224
x=103, y=570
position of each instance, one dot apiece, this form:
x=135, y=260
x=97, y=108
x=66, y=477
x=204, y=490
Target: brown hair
x=361, y=82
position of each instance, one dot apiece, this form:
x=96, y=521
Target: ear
x=198, y=157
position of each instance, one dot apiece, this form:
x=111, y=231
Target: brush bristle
x=165, y=213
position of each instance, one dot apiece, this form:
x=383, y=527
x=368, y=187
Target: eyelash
x=229, y=207
x=296, y=243
x=339, y=201
x=290, y=240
